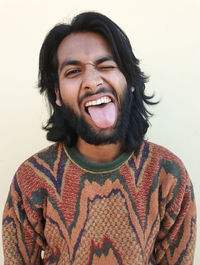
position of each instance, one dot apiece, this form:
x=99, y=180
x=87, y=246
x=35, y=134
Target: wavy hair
x=57, y=128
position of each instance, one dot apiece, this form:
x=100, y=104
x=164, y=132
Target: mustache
x=101, y=90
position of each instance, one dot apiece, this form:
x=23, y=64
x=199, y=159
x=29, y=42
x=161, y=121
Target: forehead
x=83, y=46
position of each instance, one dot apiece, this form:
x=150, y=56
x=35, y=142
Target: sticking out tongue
x=103, y=115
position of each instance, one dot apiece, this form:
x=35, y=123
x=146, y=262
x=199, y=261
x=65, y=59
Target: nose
x=91, y=78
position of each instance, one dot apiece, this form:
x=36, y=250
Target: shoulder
x=162, y=154
x=170, y=172
x=41, y=165
x=47, y=155
x=165, y=164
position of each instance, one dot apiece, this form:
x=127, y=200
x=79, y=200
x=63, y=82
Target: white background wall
x=165, y=35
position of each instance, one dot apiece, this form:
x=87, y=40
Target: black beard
x=80, y=128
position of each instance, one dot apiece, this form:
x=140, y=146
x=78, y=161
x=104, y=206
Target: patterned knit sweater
x=64, y=210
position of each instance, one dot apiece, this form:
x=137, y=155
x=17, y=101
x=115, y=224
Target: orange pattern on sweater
x=140, y=212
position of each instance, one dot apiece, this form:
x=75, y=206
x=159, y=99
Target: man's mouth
x=102, y=111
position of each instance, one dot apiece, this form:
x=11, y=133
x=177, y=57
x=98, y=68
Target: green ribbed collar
x=81, y=162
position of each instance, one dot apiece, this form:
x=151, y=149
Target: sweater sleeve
x=175, y=243
x=22, y=229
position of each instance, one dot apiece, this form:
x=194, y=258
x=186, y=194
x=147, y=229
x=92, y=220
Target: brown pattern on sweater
x=140, y=212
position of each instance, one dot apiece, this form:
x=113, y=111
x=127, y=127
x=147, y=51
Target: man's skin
x=85, y=64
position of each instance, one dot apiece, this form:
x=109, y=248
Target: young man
x=101, y=194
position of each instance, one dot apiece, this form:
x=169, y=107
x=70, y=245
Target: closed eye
x=107, y=67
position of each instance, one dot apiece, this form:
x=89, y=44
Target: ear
x=132, y=89
x=58, y=97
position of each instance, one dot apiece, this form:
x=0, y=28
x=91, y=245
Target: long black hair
x=57, y=128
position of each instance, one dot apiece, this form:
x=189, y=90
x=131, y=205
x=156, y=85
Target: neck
x=98, y=153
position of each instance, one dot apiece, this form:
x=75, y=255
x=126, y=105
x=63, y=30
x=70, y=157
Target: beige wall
x=166, y=37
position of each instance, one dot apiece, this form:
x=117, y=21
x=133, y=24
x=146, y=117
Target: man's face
x=92, y=88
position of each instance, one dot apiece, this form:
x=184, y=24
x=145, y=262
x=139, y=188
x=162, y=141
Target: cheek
x=119, y=82
x=69, y=93
x=123, y=83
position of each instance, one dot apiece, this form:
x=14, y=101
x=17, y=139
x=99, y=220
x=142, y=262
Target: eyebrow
x=77, y=62
x=104, y=59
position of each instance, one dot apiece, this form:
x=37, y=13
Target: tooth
x=98, y=101
x=87, y=104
